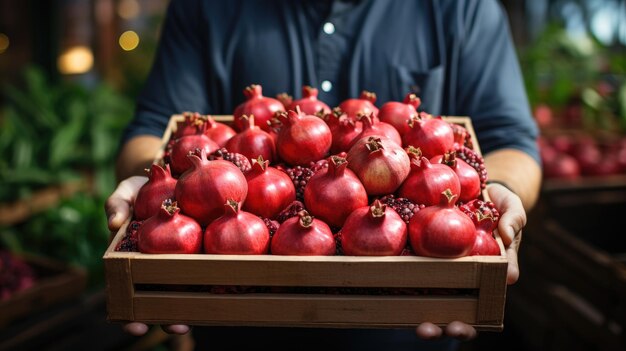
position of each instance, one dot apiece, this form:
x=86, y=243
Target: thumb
x=117, y=206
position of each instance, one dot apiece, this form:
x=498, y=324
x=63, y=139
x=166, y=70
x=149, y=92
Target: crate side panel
x=119, y=289
x=492, y=293
x=302, y=309
x=339, y=272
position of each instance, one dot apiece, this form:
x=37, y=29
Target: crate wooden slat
x=57, y=282
x=155, y=288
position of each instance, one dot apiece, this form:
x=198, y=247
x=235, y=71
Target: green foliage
x=73, y=231
x=561, y=69
x=51, y=134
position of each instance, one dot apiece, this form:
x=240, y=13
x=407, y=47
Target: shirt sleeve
x=176, y=82
x=490, y=87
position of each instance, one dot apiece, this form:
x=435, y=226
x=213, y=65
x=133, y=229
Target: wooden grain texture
x=492, y=294
x=290, y=309
x=119, y=285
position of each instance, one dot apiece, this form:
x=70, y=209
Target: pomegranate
x=468, y=177
x=374, y=231
x=303, y=235
x=169, y=232
x=432, y=135
x=159, y=187
x=302, y=138
x=442, y=230
x=485, y=217
x=427, y=181
x=343, y=130
x=284, y=99
x=475, y=161
x=220, y=133
x=203, y=189
x=269, y=190
x=334, y=192
x=364, y=104
x=398, y=113
x=262, y=107
x=380, y=129
x=462, y=138
x=188, y=144
x=189, y=125
x=252, y=141
x=562, y=166
x=380, y=163
x=236, y=233
x=309, y=103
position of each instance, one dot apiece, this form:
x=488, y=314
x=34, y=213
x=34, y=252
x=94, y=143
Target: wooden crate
x=303, y=291
x=56, y=282
x=580, y=289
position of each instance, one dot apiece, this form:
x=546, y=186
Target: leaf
x=64, y=144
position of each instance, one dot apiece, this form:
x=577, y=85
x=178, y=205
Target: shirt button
x=327, y=86
x=329, y=28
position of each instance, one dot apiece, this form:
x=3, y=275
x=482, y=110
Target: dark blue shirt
x=457, y=55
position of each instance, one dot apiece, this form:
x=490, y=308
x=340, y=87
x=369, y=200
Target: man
x=457, y=56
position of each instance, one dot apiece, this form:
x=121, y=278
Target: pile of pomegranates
x=579, y=155
x=292, y=176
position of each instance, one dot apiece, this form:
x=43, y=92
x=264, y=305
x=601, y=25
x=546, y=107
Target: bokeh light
x=129, y=40
x=75, y=60
x=4, y=42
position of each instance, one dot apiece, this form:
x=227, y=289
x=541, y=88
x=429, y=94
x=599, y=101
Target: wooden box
x=335, y=291
x=56, y=282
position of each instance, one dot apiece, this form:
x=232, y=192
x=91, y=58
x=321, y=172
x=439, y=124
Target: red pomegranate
x=202, y=190
x=442, y=230
x=159, y=187
x=303, y=235
x=309, y=103
x=169, y=232
x=236, y=233
x=398, y=113
x=262, y=107
x=269, y=190
x=334, y=192
x=374, y=231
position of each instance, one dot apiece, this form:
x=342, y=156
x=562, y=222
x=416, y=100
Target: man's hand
x=512, y=220
x=118, y=205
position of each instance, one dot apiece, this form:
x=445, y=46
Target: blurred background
x=69, y=73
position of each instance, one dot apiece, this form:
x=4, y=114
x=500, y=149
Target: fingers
x=460, y=331
x=117, y=206
x=136, y=329
x=140, y=329
x=456, y=329
x=179, y=329
x=512, y=213
x=512, y=272
x=428, y=331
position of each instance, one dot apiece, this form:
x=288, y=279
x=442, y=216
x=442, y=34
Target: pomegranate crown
x=413, y=100
x=169, y=208
x=253, y=91
x=247, y=122
x=309, y=92
x=231, y=206
x=305, y=219
x=374, y=144
x=259, y=164
x=377, y=209
x=368, y=95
